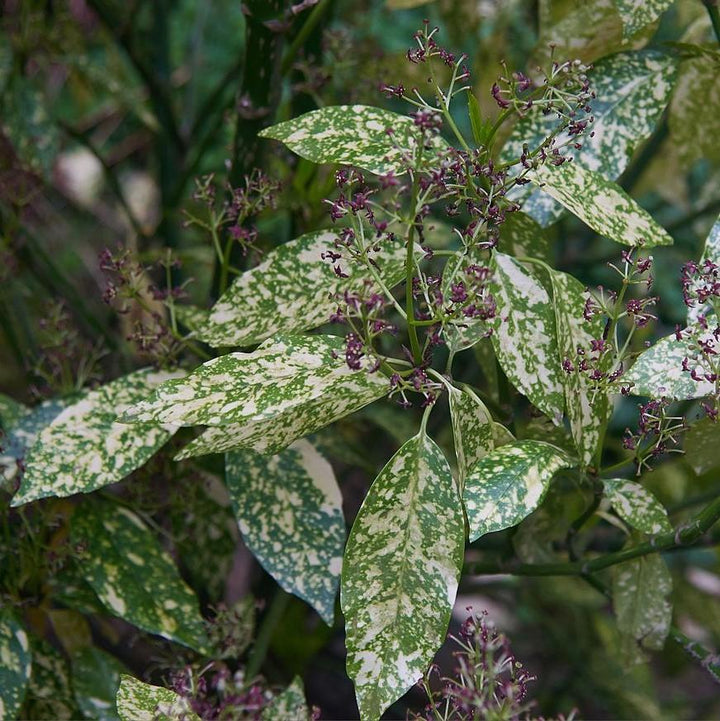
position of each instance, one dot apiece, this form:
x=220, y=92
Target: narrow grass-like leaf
x=15, y=664
x=290, y=705
x=524, y=335
x=637, y=14
x=133, y=576
x=641, y=590
x=370, y=138
x=632, y=89
x=636, y=505
x=658, y=371
x=400, y=574
x=293, y=289
x=84, y=448
x=138, y=701
x=585, y=405
x=289, y=510
x=600, y=203
x=508, y=484
x=281, y=375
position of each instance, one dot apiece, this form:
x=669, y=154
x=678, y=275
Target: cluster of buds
x=700, y=283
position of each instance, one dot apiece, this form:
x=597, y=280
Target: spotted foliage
x=637, y=506
x=85, y=448
x=138, y=701
x=361, y=135
x=632, y=89
x=641, y=589
x=586, y=406
x=289, y=510
x=600, y=203
x=508, y=484
x=133, y=576
x=15, y=665
x=711, y=252
x=524, y=335
x=637, y=14
x=96, y=678
x=400, y=574
x=293, y=289
x=701, y=445
x=290, y=705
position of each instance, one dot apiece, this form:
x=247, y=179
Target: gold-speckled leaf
x=138, y=701
x=15, y=664
x=133, y=576
x=636, y=14
x=636, y=505
x=290, y=705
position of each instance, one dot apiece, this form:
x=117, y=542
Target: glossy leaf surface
x=138, y=701
x=15, y=664
x=637, y=506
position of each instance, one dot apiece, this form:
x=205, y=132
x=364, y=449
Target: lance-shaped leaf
x=636, y=14
x=641, y=589
x=96, y=678
x=508, y=484
x=280, y=375
x=524, y=335
x=84, y=448
x=600, y=203
x=15, y=664
x=632, y=89
x=138, y=701
x=294, y=289
x=585, y=405
x=370, y=138
x=290, y=705
x=637, y=506
x=658, y=372
x=475, y=434
x=289, y=510
x=711, y=252
x=400, y=574
x=133, y=576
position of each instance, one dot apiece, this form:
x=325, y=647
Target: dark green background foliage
x=161, y=204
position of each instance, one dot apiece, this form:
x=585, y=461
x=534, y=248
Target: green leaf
x=290, y=705
x=400, y=574
x=15, y=664
x=406, y=4
x=636, y=14
x=632, y=89
x=601, y=204
x=293, y=289
x=133, y=576
x=289, y=510
x=481, y=128
x=10, y=412
x=475, y=434
x=587, y=407
x=96, y=679
x=524, y=335
x=508, y=484
x=352, y=135
x=138, y=701
x=521, y=235
x=702, y=443
x=658, y=371
x=192, y=316
x=282, y=374
x=636, y=505
x=84, y=448
x=641, y=589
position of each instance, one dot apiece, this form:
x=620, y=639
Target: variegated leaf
x=15, y=664
x=637, y=14
x=192, y=316
x=522, y=235
x=508, y=484
x=632, y=89
x=400, y=574
x=658, y=371
x=701, y=445
x=281, y=375
x=84, y=448
x=361, y=135
x=600, y=203
x=524, y=335
x=96, y=678
x=641, y=589
x=293, y=289
x=585, y=405
x=10, y=413
x=133, y=576
x=138, y=701
x=289, y=510
x=637, y=506
x=711, y=252
x=290, y=705
x=475, y=434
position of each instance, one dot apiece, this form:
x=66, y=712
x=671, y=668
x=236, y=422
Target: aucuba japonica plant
x=431, y=284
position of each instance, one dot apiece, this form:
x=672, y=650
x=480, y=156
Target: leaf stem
x=267, y=627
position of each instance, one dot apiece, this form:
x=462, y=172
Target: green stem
x=714, y=13
x=307, y=28
x=267, y=627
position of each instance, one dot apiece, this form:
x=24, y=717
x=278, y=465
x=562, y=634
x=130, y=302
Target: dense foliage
x=336, y=335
